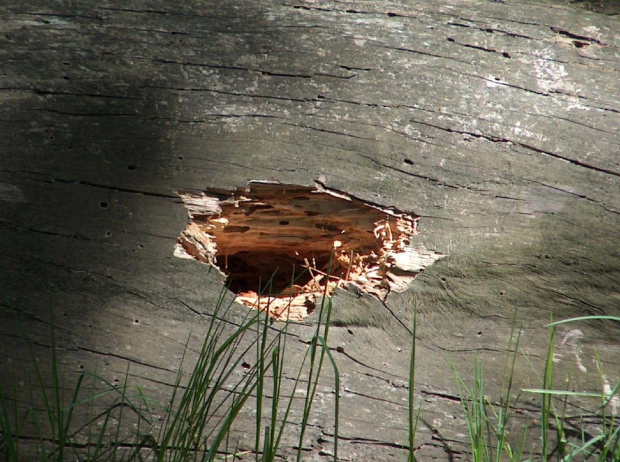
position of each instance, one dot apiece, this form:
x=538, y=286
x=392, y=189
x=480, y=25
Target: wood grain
x=496, y=123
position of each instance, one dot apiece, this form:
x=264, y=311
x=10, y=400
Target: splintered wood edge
x=390, y=266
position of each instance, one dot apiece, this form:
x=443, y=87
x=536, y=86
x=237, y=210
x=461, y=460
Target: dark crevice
x=505, y=84
x=365, y=201
x=457, y=24
x=371, y=397
x=59, y=15
x=436, y=394
x=91, y=114
x=368, y=441
x=416, y=175
x=232, y=116
x=257, y=71
x=34, y=318
x=233, y=68
x=397, y=318
x=486, y=50
x=510, y=198
x=583, y=125
x=570, y=35
x=39, y=91
x=333, y=132
x=567, y=159
x=373, y=442
x=357, y=361
x=497, y=139
x=476, y=47
x=477, y=350
x=230, y=93
x=418, y=52
x=111, y=355
x=314, y=8
x=124, y=358
x=111, y=188
x=506, y=33
x=188, y=13
x=353, y=68
x=593, y=309
x=51, y=233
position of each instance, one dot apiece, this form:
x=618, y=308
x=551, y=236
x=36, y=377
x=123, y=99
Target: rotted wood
x=281, y=246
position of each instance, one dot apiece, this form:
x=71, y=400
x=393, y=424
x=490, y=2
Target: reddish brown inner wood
x=273, y=234
x=282, y=246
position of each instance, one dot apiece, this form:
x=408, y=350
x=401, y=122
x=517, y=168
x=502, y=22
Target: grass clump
x=489, y=426
x=603, y=447
x=488, y=422
x=198, y=422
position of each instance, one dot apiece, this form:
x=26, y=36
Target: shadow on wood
x=496, y=123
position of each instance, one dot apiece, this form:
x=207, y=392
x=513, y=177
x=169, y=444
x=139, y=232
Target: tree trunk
x=495, y=122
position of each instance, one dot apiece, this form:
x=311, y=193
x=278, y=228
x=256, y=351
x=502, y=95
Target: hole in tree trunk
x=283, y=246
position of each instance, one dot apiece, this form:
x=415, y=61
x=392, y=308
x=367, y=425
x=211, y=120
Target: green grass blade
x=611, y=394
x=584, y=448
x=585, y=318
x=412, y=425
x=10, y=432
x=315, y=370
x=543, y=391
x=290, y=402
x=71, y=407
x=546, y=397
x=260, y=360
x=337, y=399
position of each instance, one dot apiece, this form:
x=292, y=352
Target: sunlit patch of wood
x=282, y=247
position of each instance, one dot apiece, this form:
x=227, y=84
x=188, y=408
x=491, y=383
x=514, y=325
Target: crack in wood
x=570, y=35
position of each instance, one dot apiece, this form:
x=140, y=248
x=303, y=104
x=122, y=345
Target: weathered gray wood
x=497, y=122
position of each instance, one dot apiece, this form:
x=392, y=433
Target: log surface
x=498, y=123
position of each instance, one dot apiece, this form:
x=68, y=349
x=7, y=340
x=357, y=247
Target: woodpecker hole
x=282, y=246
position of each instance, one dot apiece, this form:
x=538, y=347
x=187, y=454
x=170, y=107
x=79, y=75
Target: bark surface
x=495, y=122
